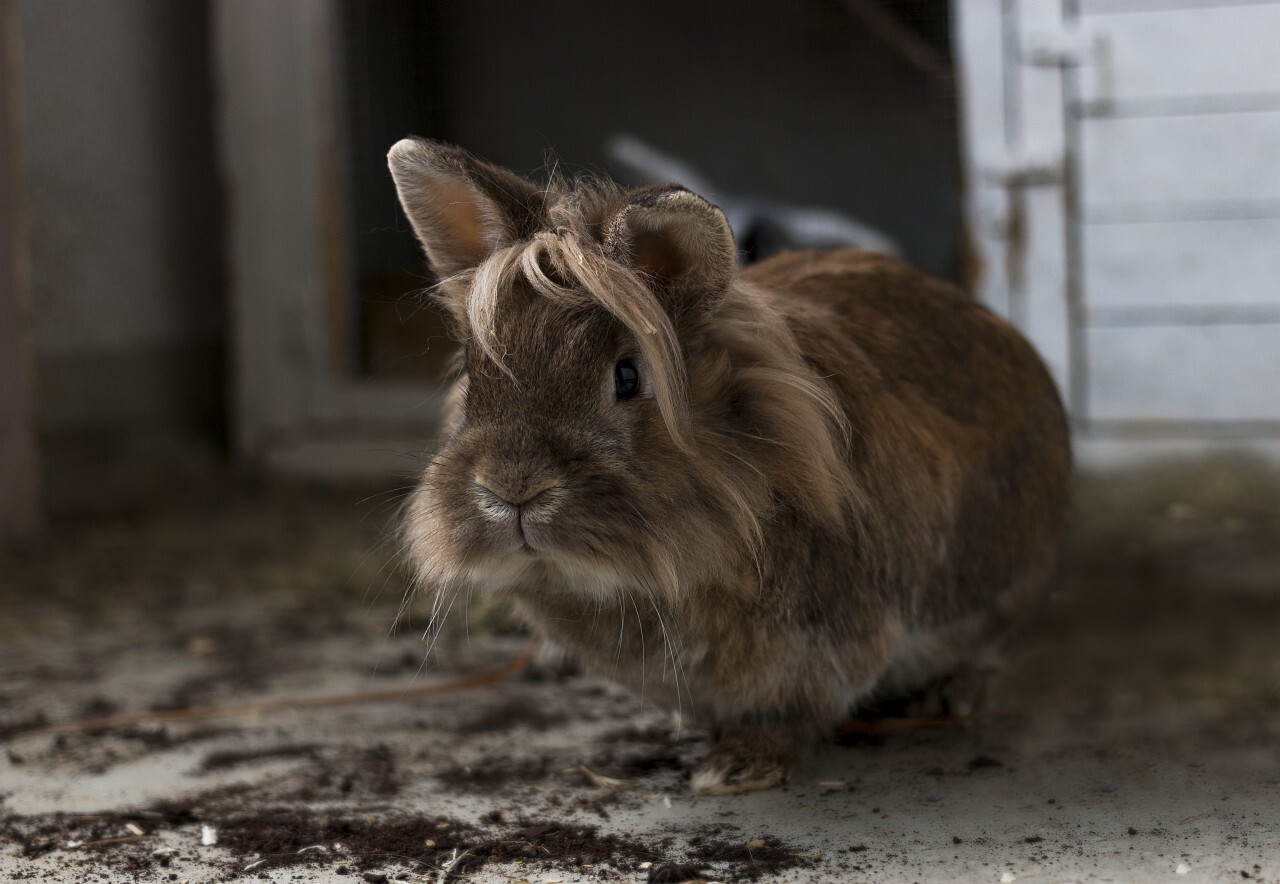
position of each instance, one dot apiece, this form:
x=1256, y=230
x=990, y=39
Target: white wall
x=127, y=269
x=125, y=229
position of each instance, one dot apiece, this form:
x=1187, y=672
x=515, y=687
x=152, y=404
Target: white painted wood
x=1169, y=331
x=978, y=39
x=1218, y=373
x=1041, y=286
x=1106, y=7
x=1204, y=158
x=1015, y=145
x=1183, y=55
x=1182, y=264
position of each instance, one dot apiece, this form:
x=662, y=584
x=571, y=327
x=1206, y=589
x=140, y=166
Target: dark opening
x=842, y=104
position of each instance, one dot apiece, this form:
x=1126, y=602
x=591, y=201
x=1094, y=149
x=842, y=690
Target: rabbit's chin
x=519, y=570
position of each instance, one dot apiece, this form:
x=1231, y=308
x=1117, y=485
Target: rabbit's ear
x=461, y=207
x=677, y=240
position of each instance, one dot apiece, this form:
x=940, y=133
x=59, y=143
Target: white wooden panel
x=979, y=34
x=1202, y=373
x=1183, y=53
x=1044, y=308
x=1189, y=263
x=1100, y=7
x=1199, y=158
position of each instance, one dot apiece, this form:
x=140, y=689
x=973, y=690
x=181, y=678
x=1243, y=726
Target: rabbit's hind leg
x=941, y=673
x=960, y=694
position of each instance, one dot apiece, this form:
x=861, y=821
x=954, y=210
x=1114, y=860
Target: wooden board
x=1197, y=161
x=1198, y=374
x=1041, y=282
x=1111, y=7
x=1182, y=264
x=1182, y=57
x=978, y=26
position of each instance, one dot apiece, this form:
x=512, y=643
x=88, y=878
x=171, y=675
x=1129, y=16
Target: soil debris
x=749, y=860
x=677, y=873
x=230, y=758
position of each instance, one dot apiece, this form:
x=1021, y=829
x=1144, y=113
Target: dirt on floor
x=236, y=686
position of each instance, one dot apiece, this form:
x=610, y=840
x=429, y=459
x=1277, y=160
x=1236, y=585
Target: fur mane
x=787, y=441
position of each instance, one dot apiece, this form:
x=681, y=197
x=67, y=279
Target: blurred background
x=204, y=264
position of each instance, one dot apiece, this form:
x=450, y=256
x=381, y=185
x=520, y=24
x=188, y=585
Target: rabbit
x=761, y=497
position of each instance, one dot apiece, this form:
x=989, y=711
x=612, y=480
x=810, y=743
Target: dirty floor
x=1134, y=734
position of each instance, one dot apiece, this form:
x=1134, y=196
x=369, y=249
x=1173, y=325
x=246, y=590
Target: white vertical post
x=977, y=38
x=1014, y=119
x=1046, y=316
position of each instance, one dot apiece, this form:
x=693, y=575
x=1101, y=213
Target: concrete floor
x=1133, y=736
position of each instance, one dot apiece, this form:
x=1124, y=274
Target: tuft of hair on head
x=571, y=271
x=658, y=260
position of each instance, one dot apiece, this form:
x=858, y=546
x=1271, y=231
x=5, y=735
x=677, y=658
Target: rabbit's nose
x=514, y=497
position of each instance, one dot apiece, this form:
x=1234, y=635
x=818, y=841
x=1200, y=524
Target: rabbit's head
x=602, y=427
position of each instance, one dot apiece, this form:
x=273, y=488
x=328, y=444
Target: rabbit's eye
x=626, y=379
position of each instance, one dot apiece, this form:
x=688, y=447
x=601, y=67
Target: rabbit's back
x=959, y=438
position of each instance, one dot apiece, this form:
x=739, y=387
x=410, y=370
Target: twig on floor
x=111, y=842
x=451, y=864
x=205, y=713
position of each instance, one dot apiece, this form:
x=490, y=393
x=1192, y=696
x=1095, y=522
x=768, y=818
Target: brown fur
x=843, y=480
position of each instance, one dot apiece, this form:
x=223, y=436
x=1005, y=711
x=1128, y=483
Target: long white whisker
x=677, y=669
x=622, y=624
x=643, y=644
x=439, y=629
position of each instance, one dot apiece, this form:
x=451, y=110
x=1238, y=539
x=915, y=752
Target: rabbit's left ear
x=462, y=208
x=679, y=242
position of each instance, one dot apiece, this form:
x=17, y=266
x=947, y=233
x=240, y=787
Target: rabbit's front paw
x=746, y=760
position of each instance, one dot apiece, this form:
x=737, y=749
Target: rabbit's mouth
x=524, y=519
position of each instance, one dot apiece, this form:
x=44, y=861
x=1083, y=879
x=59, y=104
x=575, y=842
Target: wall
x=799, y=101
x=20, y=495
x=809, y=102
x=127, y=267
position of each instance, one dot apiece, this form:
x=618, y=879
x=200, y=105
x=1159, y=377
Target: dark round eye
x=626, y=379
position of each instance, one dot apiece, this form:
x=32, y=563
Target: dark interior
x=841, y=104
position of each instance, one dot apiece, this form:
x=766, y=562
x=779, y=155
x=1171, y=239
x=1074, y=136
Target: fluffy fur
x=842, y=481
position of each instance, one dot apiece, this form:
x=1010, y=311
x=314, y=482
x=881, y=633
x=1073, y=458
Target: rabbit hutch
x=1100, y=171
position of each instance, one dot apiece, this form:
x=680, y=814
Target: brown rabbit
x=760, y=497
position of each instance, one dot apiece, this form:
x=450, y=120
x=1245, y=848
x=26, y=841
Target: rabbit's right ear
x=461, y=208
x=680, y=243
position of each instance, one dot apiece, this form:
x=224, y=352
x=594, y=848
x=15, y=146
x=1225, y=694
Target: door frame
x=298, y=405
